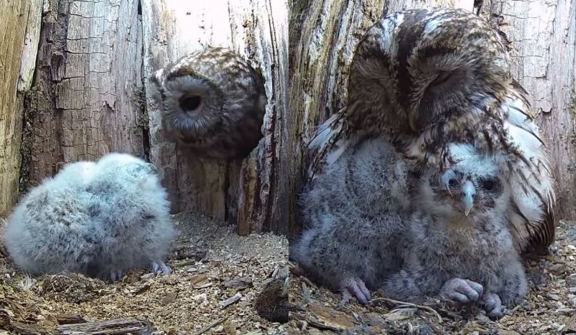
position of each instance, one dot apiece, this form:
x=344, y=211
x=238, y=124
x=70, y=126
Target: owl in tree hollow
x=431, y=77
x=212, y=102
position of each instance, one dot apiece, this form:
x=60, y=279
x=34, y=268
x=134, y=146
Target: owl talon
x=115, y=275
x=356, y=288
x=461, y=290
x=491, y=303
x=160, y=266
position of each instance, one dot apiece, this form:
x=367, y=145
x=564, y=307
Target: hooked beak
x=467, y=198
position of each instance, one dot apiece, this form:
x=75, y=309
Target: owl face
x=468, y=193
x=473, y=186
x=190, y=103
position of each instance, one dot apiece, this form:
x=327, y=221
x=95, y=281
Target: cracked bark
x=87, y=81
x=20, y=26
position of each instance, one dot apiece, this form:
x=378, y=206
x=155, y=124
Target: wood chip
x=231, y=300
x=238, y=283
x=119, y=326
x=70, y=319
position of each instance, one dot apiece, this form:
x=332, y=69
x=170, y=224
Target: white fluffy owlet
x=432, y=77
x=212, y=102
x=99, y=219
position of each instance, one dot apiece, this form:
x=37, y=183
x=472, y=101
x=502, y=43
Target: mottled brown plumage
x=431, y=77
x=213, y=102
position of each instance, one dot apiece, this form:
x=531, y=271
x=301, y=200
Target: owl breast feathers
x=212, y=102
x=432, y=77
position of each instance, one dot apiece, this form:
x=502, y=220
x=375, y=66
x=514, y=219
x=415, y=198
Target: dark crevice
x=145, y=123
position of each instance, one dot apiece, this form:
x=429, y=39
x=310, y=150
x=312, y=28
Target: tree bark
x=20, y=27
x=252, y=193
x=542, y=35
x=328, y=31
x=88, y=79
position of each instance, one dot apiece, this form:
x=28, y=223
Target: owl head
x=473, y=186
x=419, y=66
x=211, y=100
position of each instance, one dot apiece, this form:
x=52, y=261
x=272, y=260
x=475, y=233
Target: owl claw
x=461, y=290
x=160, y=266
x=115, y=275
x=356, y=288
x=491, y=303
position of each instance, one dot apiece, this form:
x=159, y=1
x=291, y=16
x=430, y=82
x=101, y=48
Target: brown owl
x=212, y=102
x=432, y=77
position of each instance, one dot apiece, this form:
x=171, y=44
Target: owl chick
x=432, y=77
x=458, y=245
x=99, y=219
x=353, y=216
x=213, y=102
x=130, y=207
x=50, y=230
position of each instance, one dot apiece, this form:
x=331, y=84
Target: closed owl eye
x=442, y=77
x=190, y=102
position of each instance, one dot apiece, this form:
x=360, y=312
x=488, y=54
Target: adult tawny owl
x=213, y=102
x=431, y=77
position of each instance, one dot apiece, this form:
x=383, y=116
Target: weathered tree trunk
x=94, y=60
x=327, y=32
x=20, y=27
x=87, y=81
x=254, y=192
x=543, y=39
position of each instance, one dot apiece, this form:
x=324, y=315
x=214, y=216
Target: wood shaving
x=217, y=264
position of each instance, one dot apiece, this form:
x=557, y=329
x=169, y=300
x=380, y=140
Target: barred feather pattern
x=432, y=77
x=212, y=102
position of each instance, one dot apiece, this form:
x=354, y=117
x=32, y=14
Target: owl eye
x=190, y=102
x=488, y=184
x=452, y=183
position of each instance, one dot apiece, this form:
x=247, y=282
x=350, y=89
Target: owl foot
x=491, y=303
x=160, y=266
x=357, y=288
x=461, y=290
x=115, y=275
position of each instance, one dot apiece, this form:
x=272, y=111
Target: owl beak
x=468, y=202
x=468, y=196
